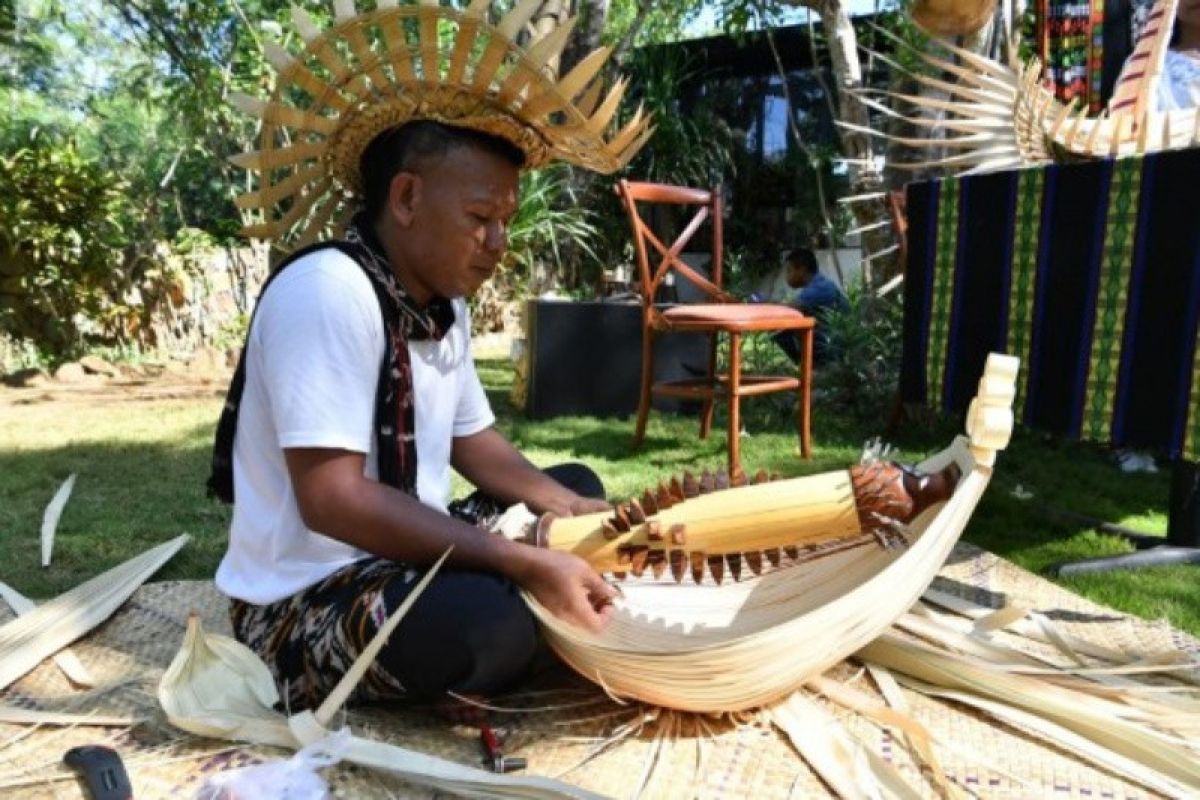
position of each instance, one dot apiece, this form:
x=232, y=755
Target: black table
x=585, y=358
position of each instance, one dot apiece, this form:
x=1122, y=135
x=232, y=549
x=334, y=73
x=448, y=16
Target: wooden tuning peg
x=637, y=561
x=734, y=560
x=716, y=565
x=678, y=562
x=722, y=479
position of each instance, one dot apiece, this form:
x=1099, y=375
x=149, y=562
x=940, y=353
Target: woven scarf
x=403, y=321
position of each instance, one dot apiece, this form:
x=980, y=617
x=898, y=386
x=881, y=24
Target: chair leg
x=706, y=411
x=639, y=433
x=735, y=410
x=804, y=396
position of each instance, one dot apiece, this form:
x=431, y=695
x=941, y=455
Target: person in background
x=1178, y=88
x=815, y=296
x=1180, y=85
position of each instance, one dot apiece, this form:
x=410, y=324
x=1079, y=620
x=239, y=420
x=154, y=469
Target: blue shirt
x=821, y=294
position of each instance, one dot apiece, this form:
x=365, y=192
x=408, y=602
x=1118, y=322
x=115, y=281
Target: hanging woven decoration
x=986, y=116
x=952, y=17
x=376, y=70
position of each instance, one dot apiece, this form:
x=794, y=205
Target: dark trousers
x=469, y=632
x=824, y=350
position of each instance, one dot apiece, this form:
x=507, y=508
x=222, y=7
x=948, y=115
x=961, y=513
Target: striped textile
x=1089, y=273
x=1083, y=45
x=1071, y=46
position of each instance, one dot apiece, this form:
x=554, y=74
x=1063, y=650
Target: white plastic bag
x=293, y=779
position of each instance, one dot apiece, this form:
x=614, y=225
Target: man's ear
x=404, y=195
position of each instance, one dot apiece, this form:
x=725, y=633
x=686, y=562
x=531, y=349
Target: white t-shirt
x=1179, y=86
x=313, y=358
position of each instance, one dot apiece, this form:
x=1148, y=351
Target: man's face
x=797, y=276
x=456, y=227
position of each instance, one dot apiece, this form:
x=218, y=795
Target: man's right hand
x=567, y=587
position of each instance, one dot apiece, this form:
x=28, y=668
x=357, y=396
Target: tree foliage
x=61, y=244
x=123, y=105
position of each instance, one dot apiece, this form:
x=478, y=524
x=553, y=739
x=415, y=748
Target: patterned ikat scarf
x=403, y=321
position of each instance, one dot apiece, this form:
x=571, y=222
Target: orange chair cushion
x=737, y=316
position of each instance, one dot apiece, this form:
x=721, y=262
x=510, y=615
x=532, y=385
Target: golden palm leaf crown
x=373, y=71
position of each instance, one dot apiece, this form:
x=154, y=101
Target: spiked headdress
x=373, y=71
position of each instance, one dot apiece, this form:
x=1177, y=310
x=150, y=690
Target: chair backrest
x=656, y=260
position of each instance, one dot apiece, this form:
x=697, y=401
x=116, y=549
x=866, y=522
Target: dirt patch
x=164, y=386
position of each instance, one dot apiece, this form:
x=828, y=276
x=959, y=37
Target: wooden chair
x=896, y=202
x=721, y=314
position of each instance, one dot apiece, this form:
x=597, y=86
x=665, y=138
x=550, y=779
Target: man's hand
x=567, y=587
x=494, y=466
x=586, y=505
x=573, y=505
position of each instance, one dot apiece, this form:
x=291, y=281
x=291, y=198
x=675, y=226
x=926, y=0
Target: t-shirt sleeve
x=319, y=342
x=474, y=412
x=817, y=296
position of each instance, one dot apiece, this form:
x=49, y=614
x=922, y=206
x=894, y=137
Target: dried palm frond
x=1095, y=728
x=67, y=661
x=218, y=687
x=51, y=516
x=850, y=769
x=919, y=737
x=45, y=630
x=29, y=716
x=1037, y=627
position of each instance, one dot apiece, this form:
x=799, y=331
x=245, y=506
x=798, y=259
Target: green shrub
x=547, y=238
x=863, y=377
x=550, y=220
x=61, y=241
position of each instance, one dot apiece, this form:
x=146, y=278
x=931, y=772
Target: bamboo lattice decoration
x=376, y=70
x=1000, y=116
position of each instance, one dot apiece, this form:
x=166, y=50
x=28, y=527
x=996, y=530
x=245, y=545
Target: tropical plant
x=550, y=238
x=692, y=145
x=862, y=378
x=61, y=244
x=550, y=226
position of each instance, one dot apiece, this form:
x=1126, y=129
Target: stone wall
x=209, y=302
x=184, y=309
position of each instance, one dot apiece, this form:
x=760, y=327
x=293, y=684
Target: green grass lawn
x=142, y=465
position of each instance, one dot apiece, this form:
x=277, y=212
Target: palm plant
x=550, y=231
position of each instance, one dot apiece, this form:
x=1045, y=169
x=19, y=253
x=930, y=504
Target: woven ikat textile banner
x=1089, y=273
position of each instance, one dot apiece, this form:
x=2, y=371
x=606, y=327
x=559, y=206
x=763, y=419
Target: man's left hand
x=576, y=506
x=586, y=505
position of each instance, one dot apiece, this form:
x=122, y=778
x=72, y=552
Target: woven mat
x=564, y=719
